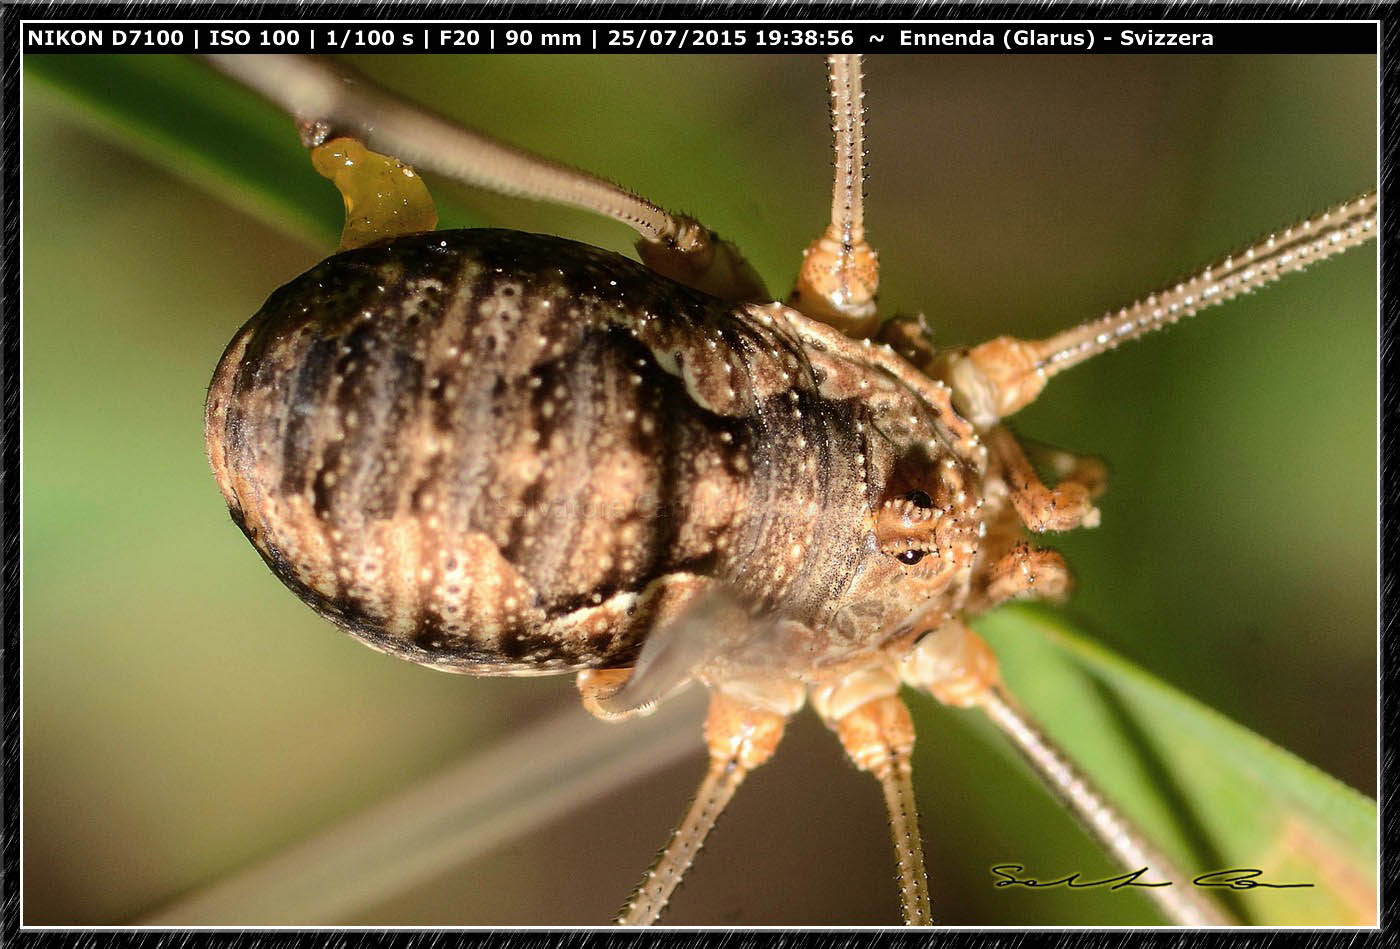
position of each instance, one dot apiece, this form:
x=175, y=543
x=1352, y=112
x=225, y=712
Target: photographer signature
x=1236, y=878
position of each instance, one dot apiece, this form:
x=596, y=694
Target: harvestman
x=965, y=521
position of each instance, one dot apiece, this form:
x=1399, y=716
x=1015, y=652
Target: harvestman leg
x=877, y=733
x=1000, y=377
x=330, y=99
x=838, y=284
x=840, y=274
x=740, y=736
x=745, y=723
x=958, y=668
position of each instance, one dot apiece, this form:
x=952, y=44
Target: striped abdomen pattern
x=500, y=452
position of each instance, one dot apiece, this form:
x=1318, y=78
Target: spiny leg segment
x=958, y=668
x=1335, y=230
x=1026, y=572
x=866, y=713
x=740, y=736
x=1117, y=834
x=840, y=273
x=1005, y=374
x=1002, y=376
x=837, y=284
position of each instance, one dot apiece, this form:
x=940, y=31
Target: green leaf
x=1212, y=793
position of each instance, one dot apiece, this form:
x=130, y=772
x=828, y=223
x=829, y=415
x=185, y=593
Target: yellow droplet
x=383, y=196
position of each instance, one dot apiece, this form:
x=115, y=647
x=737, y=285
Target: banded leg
x=740, y=736
x=958, y=668
x=873, y=724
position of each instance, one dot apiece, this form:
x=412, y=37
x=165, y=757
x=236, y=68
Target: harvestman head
x=949, y=532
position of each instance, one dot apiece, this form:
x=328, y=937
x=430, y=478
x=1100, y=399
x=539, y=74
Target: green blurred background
x=184, y=716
